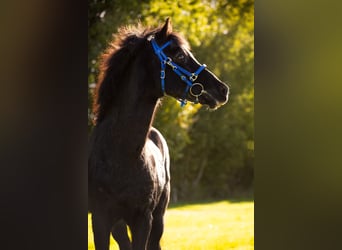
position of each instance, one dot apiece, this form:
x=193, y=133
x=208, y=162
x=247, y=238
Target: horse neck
x=132, y=115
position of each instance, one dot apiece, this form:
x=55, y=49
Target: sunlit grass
x=210, y=226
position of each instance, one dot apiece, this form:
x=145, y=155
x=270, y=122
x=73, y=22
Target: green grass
x=209, y=226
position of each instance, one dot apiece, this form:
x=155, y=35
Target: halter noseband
x=185, y=75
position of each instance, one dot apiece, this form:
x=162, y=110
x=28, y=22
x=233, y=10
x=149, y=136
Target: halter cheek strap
x=185, y=75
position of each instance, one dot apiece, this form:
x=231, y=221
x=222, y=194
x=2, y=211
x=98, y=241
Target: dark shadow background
x=43, y=129
x=43, y=102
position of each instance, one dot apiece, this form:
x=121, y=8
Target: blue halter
x=185, y=75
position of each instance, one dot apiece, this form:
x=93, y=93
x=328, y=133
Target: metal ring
x=193, y=85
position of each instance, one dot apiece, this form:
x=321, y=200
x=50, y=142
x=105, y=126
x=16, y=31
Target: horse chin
x=208, y=100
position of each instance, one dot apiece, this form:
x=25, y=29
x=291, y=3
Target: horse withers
x=128, y=163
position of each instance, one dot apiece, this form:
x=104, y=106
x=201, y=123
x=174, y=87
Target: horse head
x=180, y=74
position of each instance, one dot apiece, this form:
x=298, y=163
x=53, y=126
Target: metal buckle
x=168, y=61
x=150, y=38
x=193, y=77
x=162, y=74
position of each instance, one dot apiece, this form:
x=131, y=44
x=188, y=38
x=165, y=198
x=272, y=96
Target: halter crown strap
x=185, y=75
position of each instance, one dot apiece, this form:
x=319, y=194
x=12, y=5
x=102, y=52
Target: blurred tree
x=220, y=157
x=228, y=133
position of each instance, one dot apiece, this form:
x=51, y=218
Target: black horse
x=128, y=164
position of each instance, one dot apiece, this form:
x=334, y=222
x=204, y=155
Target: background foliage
x=212, y=152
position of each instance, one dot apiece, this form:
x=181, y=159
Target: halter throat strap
x=185, y=75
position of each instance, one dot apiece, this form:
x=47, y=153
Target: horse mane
x=114, y=61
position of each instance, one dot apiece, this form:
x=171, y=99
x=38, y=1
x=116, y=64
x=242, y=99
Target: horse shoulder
x=159, y=143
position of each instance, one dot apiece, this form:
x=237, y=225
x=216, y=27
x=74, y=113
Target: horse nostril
x=223, y=89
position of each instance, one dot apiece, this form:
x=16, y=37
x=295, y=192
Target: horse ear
x=165, y=31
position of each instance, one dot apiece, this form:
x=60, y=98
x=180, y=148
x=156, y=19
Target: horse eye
x=180, y=57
